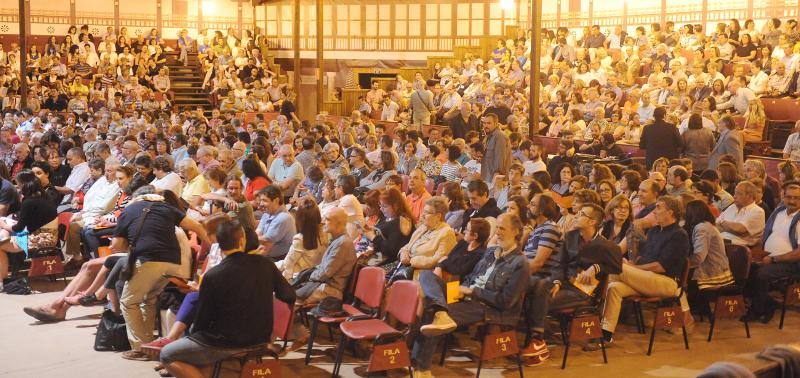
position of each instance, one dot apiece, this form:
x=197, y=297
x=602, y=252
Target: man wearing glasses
x=780, y=243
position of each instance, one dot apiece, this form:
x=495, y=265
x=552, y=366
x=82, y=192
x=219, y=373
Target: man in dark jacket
x=234, y=309
x=481, y=204
x=494, y=289
x=583, y=257
x=660, y=139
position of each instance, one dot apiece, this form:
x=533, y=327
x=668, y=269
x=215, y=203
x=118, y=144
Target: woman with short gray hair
x=432, y=240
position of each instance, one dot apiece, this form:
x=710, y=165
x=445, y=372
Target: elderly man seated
x=494, y=289
x=742, y=223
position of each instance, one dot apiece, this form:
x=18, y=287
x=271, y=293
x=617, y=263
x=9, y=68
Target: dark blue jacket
x=505, y=287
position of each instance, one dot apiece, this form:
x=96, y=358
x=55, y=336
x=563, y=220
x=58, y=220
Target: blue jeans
x=434, y=299
x=91, y=238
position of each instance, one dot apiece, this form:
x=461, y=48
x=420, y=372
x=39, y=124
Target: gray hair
x=673, y=204
x=439, y=205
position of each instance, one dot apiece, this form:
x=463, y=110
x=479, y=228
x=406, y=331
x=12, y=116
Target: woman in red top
x=256, y=178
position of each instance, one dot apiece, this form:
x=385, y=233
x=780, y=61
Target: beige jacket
x=427, y=247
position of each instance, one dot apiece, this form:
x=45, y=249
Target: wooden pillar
x=159, y=13
x=296, y=45
x=750, y=8
x=704, y=15
x=558, y=14
x=591, y=13
x=23, y=53
x=664, y=13
x=536, y=44
x=239, y=17
x=320, y=59
x=199, y=15
x=625, y=17
x=73, y=14
x=116, y=16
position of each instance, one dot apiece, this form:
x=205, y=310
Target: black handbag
x=112, y=334
x=401, y=273
x=19, y=286
x=302, y=277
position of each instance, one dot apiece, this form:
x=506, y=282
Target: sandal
x=42, y=315
x=74, y=300
x=164, y=373
x=135, y=355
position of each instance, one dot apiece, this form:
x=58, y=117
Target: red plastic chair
x=401, y=305
x=282, y=318
x=368, y=295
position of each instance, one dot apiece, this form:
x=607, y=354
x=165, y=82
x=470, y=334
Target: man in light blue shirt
x=276, y=228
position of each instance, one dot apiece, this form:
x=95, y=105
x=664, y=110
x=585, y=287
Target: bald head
x=335, y=222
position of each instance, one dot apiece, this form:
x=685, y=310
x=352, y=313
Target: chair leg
x=330, y=332
x=312, y=335
x=652, y=338
x=564, y=323
x=483, y=333
x=217, y=368
x=685, y=337
x=639, y=317
x=603, y=348
x=410, y=373
x=519, y=365
x=746, y=327
x=712, y=322
x=339, y=353
x=783, y=312
x=444, y=348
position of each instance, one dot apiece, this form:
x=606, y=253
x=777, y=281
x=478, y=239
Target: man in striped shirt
x=541, y=249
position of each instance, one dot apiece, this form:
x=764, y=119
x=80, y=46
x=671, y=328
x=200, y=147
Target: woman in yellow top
x=78, y=89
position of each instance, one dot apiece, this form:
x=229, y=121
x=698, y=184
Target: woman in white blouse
x=308, y=244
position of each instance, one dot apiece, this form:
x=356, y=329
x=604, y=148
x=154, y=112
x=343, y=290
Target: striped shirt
x=450, y=171
x=547, y=234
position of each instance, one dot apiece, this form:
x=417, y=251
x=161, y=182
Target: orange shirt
x=417, y=202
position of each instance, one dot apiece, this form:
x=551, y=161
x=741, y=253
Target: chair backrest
x=281, y=318
x=369, y=287
x=402, y=301
x=684, y=276
x=739, y=261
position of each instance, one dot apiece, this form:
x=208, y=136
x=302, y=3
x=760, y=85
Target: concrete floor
x=31, y=349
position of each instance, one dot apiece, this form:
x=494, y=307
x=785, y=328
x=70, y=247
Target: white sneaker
x=442, y=324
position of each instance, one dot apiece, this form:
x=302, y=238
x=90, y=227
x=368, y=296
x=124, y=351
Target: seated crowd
x=250, y=206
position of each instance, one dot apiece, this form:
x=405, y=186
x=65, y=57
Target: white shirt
x=778, y=242
x=355, y=214
x=99, y=199
x=279, y=172
x=532, y=167
x=389, y=111
x=79, y=175
x=751, y=216
x=172, y=182
x=792, y=146
x=707, y=123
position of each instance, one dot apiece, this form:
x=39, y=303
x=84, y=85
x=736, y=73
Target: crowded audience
x=257, y=205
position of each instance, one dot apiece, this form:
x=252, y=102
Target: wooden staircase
x=187, y=83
